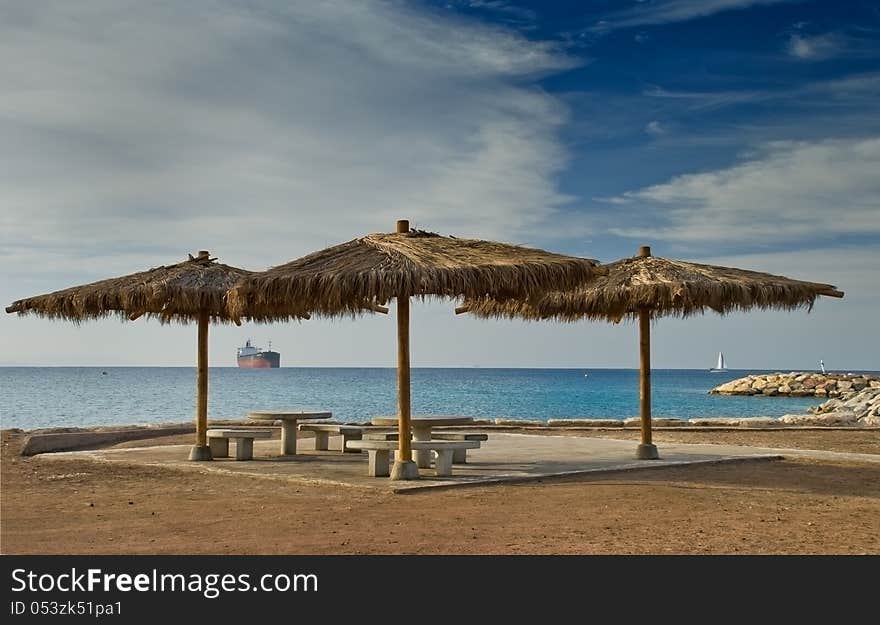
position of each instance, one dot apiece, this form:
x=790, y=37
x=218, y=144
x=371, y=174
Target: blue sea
x=36, y=397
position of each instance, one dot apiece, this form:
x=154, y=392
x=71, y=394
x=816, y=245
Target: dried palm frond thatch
x=664, y=286
x=176, y=293
x=194, y=290
x=349, y=278
x=645, y=286
x=365, y=273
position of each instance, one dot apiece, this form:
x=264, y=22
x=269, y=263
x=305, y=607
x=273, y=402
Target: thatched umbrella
x=350, y=278
x=646, y=286
x=194, y=290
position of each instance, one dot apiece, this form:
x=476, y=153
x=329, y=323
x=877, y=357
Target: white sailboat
x=720, y=366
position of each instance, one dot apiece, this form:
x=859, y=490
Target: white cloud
x=788, y=191
x=815, y=48
x=136, y=132
x=699, y=100
x=668, y=11
x=504, y=8
x=655, y=128
x=859, y=89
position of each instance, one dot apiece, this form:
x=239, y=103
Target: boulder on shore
x=800, y=384
x=859, y=408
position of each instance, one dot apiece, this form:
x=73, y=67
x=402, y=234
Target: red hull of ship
x=254, y=363
x=261, y=360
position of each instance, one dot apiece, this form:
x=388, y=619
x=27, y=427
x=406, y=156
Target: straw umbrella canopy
x=352, y=277
x=647, y=286
x=194, y=290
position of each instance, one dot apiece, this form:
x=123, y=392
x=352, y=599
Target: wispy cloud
x=668, y=11
x=789, y=191
x=855, y=87
x=506, y=9
x=816, y=47
x=706, y=99
x=656, y=129
x=264, y=130
x=852, y=85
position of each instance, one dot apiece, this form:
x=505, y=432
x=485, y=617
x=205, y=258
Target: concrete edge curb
x=643, y=464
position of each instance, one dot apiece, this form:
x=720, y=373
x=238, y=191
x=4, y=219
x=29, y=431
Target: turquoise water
x=35, y=397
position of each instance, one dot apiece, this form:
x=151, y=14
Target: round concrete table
x=288, y=418
x=421, y=429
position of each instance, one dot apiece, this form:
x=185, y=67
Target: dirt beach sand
x=77, y=506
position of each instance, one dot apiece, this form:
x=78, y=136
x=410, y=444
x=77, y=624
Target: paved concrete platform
x=504, y=458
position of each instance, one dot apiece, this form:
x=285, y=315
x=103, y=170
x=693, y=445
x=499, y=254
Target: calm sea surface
x=35, y=397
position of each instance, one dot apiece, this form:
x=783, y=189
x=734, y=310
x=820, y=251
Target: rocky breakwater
x=852, y=399
x=822, y=385
x=862, y=408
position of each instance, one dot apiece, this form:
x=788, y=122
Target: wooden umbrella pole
x=646, y=450
x=202, y=423
x=201, y=451
x=403, y=378
x=645, y=374
x=404, y=467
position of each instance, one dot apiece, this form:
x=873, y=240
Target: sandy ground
x=784, y=507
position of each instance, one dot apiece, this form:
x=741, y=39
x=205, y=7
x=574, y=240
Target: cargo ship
x=250, y=357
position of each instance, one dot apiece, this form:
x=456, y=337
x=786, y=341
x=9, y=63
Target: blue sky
x=737, y=132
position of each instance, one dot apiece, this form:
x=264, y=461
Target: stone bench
x=323, y=431
x=379, y=452
x=218, y=440
x=459, y=456
x=384, y=435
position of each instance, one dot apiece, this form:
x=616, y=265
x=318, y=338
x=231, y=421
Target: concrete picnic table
x=421, y=429
x=288, y=418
